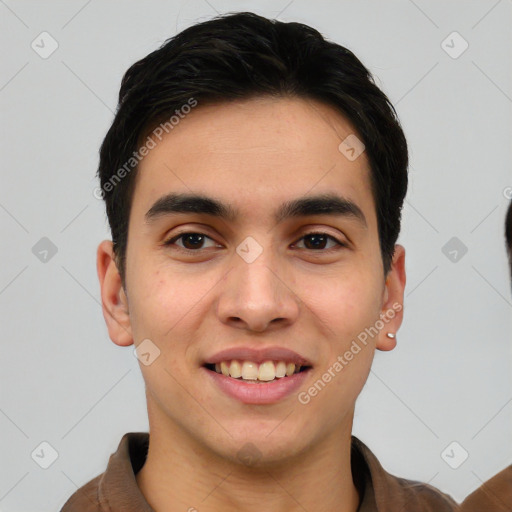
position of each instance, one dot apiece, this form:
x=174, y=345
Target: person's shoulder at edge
x=85, y=499
x=393, y=493
x=118, y=478
x=495, y=495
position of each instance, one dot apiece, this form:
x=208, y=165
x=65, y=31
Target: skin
x=253, y=154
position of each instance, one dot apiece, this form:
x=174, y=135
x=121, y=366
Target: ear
x=113, y=298
x=393, y=301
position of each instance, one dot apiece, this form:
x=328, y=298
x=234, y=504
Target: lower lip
x=258, y=393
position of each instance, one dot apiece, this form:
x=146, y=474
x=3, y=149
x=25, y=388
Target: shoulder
x=390, y=493
x=495, y=495
x=424, y=497
x=85, y=499
x=116, y=486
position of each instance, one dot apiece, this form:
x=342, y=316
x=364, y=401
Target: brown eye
x=318, y=241
x=189, y=241
x=193, y=240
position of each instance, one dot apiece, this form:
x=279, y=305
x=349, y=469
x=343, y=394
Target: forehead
x=255, y=154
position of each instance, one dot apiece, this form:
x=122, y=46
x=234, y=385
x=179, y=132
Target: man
x=254, y=177
x=495, y=495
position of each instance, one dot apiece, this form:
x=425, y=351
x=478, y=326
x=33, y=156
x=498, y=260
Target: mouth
x=257, y=373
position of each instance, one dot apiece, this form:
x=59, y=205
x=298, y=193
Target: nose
x=257, y=298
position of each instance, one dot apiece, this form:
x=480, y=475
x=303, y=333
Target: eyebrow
x=323, y=204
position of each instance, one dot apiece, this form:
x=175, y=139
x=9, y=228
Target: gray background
x=449, y=379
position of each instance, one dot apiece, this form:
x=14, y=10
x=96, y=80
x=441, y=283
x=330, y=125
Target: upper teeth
x=253, y=371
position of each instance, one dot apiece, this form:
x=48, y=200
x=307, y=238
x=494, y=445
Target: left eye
x=318, y=241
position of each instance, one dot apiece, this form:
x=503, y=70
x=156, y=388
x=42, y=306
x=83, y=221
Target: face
x=249, y=275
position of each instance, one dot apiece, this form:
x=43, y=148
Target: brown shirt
x=495, y=495
x=116, y=489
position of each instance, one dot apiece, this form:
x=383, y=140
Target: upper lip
x=258, y=355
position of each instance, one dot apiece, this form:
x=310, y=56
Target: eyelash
x=172, y=240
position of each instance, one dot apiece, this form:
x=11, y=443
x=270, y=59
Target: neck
x=181, y=474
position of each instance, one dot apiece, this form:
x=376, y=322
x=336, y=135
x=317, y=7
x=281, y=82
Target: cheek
x=160, y=302
x=347, y=305
x=348, y=310
x=169, y=308
x=162, y=307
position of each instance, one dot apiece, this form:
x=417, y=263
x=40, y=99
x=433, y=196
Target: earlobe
x=113, y=297
x=387, y=343
x=393, y=299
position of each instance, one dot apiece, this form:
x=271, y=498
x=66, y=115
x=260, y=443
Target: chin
x=261, y=448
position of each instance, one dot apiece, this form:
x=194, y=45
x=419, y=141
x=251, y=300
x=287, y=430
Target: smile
x=253, y=372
